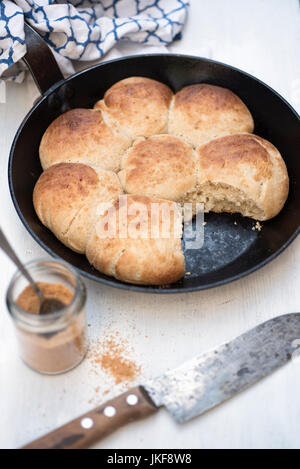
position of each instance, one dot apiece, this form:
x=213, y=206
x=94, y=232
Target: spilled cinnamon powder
x=111, y=356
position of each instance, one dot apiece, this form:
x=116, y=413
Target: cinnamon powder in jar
x=30, y=302
x=55, y=342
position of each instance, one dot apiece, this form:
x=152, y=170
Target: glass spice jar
x=57, y=342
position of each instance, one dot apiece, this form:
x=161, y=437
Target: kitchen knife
x=191, y=389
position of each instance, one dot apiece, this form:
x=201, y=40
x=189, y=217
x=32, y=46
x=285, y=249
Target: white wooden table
x=263, y=38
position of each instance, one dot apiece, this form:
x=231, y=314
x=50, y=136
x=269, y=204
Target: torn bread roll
x=203, y=112
x=83, y=136
x=68, y=197
x=138, y=240
x=138, y=105
x=242, y=173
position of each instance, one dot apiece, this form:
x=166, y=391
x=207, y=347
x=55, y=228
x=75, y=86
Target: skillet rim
x=114, y=282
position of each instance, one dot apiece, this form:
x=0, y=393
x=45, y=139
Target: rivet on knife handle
x=97, y=424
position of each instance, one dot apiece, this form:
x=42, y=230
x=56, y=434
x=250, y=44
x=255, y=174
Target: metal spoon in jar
x=47, y=305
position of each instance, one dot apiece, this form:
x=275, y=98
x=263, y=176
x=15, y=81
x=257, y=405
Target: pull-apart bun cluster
x=113, y=173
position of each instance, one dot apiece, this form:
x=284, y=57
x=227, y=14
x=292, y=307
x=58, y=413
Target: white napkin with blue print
x=85, y=30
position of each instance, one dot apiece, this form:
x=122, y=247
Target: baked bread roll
x=162, y=166
x=242, y=173
x=203, y=112
x=67, y=198
x=133, y=242
x=140, y=106
x=83, y=136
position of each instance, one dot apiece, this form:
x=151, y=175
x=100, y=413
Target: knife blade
x=216, y=376
x=191, y=389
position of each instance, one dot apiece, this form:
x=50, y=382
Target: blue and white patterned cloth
x=85, y=30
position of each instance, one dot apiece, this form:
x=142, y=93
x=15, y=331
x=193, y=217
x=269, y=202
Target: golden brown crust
x=249, y=164
x=82, y=136
x=139, y=105
x=202, y=112
x=208, y=97
x=63, y=186
x=237, y=149
x=161, y=166
x=140, y=88
x=66, y=198
x=140, y=254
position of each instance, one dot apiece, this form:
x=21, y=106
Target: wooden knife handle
x=97, y=424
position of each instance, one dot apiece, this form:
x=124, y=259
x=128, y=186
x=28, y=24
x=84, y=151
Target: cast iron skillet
x=231, y=250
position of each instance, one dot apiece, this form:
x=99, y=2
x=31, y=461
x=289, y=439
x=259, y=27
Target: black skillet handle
x=40, y=61
x=46, y=72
